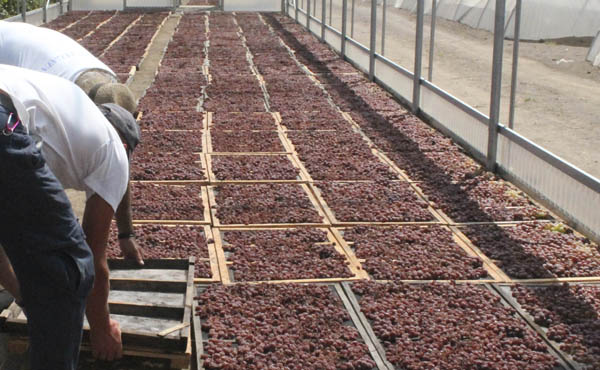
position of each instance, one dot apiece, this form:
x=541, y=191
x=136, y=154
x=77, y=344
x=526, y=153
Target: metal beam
x=383, y=23
x=344, y=27
x=352, y=21
x=323, y=10
x=416, y=101
x=308, y=14
x=496, y=89
x=24, y=10
x=515, y=65
x=432, y=38
x=373, y=45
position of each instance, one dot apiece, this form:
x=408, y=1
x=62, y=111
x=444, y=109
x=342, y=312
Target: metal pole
x=352, y=21
x=344, y=27
x=330, y=11
x=315, y=8
x=373, y=43
x=69, y=5
x=383, y=22
x=124, y=4
x=24, y=10
x=416, y=101
x=432, y=38
x=515, y=65
x=496, y=85
x=308, y=15
x=60, y=10
x=323, y=9
x=296, y=6
x=45, y=12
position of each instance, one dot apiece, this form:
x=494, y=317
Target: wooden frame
x=337, y=291
x=217, y=223
x=337, y=223
x=552, y=349
x=214, y=181
x=172, y=342
x=204, y=197
x=209, y=147
x=340, y=247
x=492, y=270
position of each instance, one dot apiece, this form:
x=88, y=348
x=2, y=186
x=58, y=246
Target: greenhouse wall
x=252, y=5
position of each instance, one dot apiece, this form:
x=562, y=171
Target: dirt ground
x=558, y=91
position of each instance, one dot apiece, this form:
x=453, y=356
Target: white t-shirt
x=80, y=146
x=45, y=50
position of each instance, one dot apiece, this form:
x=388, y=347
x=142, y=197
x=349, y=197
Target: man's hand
x=131, y=250
x=106, y=342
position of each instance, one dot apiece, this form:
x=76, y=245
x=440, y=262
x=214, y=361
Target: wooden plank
x=355, y=264
x=198, y=338
x=126, y=264
x=582, y=279
x=364, y=323
x=148, y=285
x=222, y=261
x=145, y=310
x=189, y=297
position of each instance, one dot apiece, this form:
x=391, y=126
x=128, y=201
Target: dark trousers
x=46, y=247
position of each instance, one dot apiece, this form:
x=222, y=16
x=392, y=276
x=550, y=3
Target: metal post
x=45, y=12
x=315, y=8
x=308, y=15
x=383, y=22
x=416, y=101
x=344, y=27
x=432, y=38
x=124, y=4
x=69, y=5
x=323, y=9
x=373, y=43
x=296, y=10
x=330, y=11
x=515, y=64
x=24, y=10
x=352, y=21
x=496, y=85
x=60, y=10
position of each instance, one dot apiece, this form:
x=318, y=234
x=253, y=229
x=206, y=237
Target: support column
x=496, y=85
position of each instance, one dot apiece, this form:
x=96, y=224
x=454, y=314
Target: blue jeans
x=46, y=247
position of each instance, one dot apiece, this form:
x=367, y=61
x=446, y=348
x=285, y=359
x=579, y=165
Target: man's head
x=124, y=123
x=102, y=88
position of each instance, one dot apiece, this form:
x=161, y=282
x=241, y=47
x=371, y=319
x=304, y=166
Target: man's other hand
x=106, y=343
x=131, y=250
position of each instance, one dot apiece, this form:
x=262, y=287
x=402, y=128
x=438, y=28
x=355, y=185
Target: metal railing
x=565, y=189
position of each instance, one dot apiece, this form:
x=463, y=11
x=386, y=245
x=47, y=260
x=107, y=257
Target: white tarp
x=540, y=19
x=594, y=54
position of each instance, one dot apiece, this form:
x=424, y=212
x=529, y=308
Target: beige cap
x=102, y=88
x=88, y=79
x=114, y=93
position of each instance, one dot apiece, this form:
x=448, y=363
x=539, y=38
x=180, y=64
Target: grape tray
x=300, y=178
x=333, y=239
x=152, y=304
x=202, y=337
x=562, y=362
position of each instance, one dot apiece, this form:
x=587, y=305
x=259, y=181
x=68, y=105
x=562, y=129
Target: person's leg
x=47, y=250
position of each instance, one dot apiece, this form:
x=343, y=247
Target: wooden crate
x=153, y=305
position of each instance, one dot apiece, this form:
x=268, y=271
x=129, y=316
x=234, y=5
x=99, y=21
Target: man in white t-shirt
x=54, y=137
x=45, y=50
